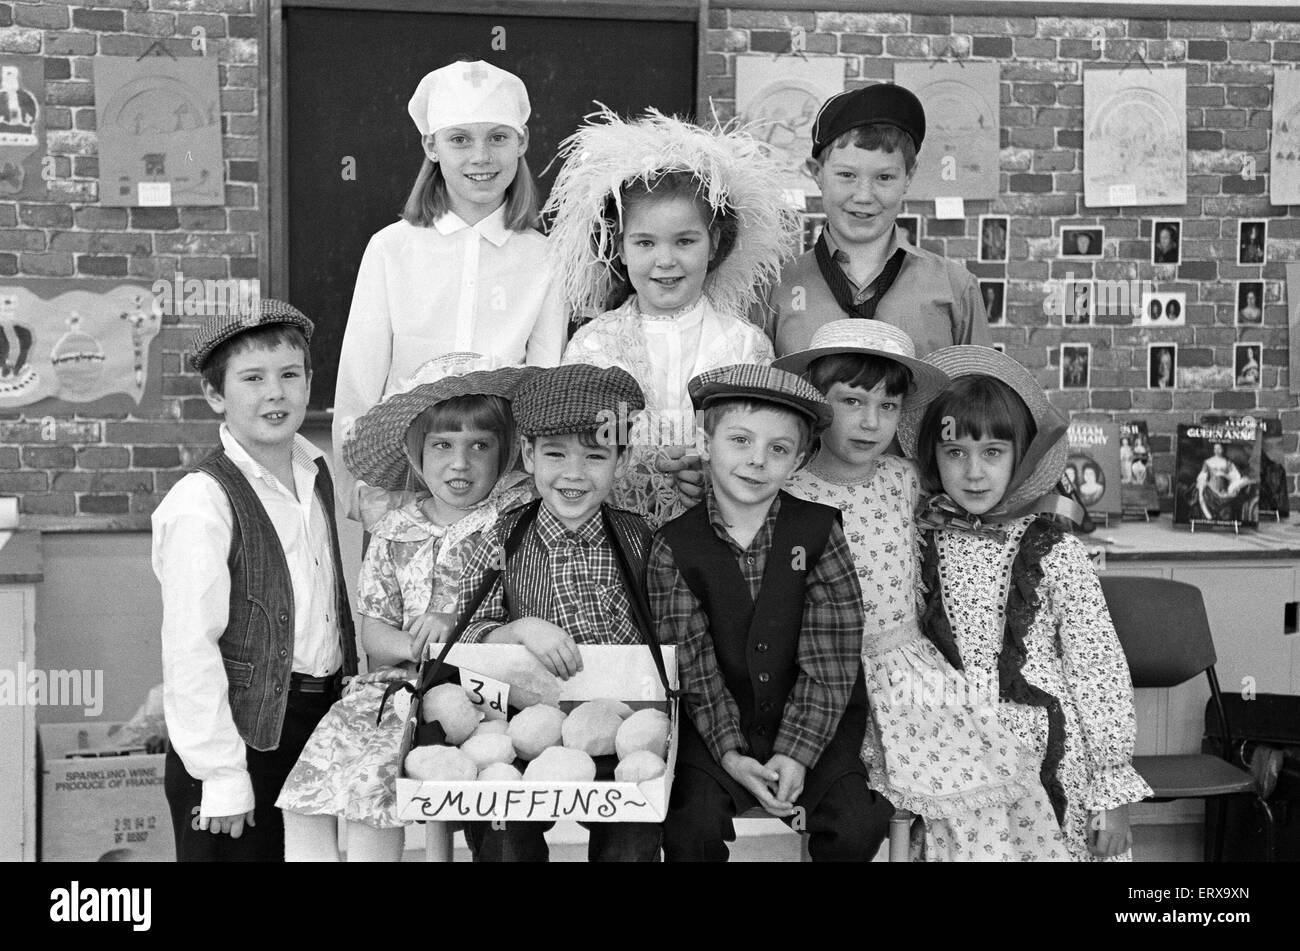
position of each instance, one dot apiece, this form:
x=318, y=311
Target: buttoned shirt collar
x=720, y=524
x=304, y=457
x=841, y=257
x=553, y=533
x=493, y=227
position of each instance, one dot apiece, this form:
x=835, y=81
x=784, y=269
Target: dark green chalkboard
x=348, y=77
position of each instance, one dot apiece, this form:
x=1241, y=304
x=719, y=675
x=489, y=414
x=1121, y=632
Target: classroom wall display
x=1250, y=304
x=993, y=237
x=780, y=97
x=812, y=229
x=994, y=294
x=1076, y=365
x=1252, y=241
x=1079, y=300
x=1247, y=365
x=960, y=156
x=1093, y=465
x=65, y=345
x=1284, y=164
x=1166, y=241
x=1163, y=309
x=1162, y=366
x=1079, y=242
x=22, y=126
x=1136, y=473
x=1135, y=137
x=159, y=129
x=1273, y=489
x=1293, y=324
x=1217, y=473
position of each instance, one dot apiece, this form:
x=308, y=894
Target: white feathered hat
x=737, y=176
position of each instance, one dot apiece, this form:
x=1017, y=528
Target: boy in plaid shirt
x=563, y=587
x=758, y=591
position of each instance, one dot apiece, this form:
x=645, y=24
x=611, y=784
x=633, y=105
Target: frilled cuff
x=1112, y=786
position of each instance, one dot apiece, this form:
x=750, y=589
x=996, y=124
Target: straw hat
x=872, y=338
x=1044, y=461
x=375, y=450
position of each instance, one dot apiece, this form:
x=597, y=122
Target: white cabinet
x=20, y=572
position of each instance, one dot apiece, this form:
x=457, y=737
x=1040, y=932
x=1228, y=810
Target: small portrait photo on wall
x=1250, y=303
x=1252, y=241
x=1246, y=365
x=812, y=229
x=994, y=294
x=1076, y=364
x=911, y=225
x=1166, y=241
x=1082, y=242
x=1162, y=366
x=1167, y=309
x=1078, y=303
x=993, y=237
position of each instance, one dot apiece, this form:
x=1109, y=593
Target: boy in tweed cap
x=256, y=628
x=578, y=567
x=757, y=589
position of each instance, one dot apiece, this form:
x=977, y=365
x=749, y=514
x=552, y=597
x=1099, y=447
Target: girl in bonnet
x=464, y=269
x=1013, y=601
x=448, y=435
x=665, y=234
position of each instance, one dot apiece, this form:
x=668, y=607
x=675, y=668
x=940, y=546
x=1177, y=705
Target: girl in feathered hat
x=665, y=233
x=449, y=434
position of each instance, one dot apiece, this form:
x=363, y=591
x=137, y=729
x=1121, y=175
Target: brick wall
x=1229, y=95
x=123, y=465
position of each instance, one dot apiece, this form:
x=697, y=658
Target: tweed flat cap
x=575, y=398
x=747, y=381
x=217, y=330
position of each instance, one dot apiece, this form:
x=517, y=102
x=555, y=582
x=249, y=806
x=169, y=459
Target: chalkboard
x=349, y=75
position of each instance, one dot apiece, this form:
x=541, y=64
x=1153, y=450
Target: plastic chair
x=1165, y=634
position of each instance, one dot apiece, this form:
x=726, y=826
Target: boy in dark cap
x=257, y=631
x=758, y=591
x=573, y=577
x=863, y=155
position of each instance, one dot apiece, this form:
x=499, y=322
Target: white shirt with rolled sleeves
x=425, y=292
x=191, y=540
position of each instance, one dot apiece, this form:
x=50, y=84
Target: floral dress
x=934, y=745
x=662, y=354
x=1072, y=654
x=349, y=766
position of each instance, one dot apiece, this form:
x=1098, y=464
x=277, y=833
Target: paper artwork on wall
x=960, y=154
x=1284, y=159
x=159, y=129
x=22, y=127
x=1135, y=137
x=1293, y=323
x=65, y=344
x=780, y=97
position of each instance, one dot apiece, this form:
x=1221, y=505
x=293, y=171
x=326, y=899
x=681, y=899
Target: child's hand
x=549, y=644
x=424, y=628
x=686, y=469
x=758, y=779
x=792, y=773
x=1109, y=833
x=228, y=825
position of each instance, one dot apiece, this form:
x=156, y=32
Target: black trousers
x=848, y=823
x=263, y=842
x=524, y=842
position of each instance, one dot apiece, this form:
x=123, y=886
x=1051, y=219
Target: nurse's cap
x=466, y=92
x=883, y=103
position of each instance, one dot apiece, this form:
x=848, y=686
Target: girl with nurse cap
x=463, y=269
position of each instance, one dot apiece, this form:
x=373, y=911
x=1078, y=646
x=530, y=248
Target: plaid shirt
x=830, y=642
x=569, y=578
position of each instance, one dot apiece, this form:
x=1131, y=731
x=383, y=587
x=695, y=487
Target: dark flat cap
x=576, y=398
x=217, y=330
x=883, y=103
x=747, y=381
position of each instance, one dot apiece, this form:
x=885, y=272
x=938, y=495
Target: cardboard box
x=100, y=800
x=619, y=673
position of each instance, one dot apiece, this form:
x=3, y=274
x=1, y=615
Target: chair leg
x=1214, y=843
x=437, y=842
x=1270, y=827
x=900, y=828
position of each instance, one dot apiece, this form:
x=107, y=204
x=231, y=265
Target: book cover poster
x=1134, y=137
x=22, y=127
x=780, y=98
x=159, y=128
x=1284, y=161
x=68, y=343
x=1093, y=465
x=1217, y=472
x=1137, y=480
x=960, y=156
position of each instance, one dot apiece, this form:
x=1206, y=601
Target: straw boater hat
x=1040, y=470
x=871, y=338
x=375, y=450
